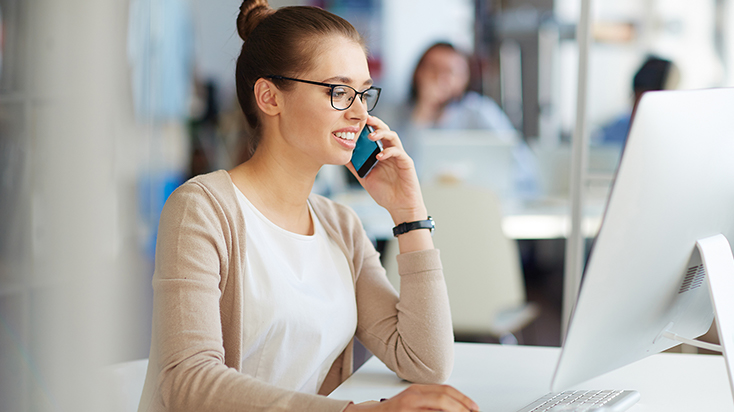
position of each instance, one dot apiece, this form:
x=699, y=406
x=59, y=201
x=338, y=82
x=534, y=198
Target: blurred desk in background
x=522, y=219
x=548, y=218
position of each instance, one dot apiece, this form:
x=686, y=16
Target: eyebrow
x=346, y=80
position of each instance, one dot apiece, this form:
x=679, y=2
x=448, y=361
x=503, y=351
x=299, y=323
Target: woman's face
x=313, y=129
x=443, y=75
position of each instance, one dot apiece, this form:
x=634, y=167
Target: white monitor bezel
x=670, y=191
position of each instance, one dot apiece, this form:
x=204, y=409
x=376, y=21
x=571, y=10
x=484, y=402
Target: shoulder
x=487, y=113
x=217, y=183
x=199, y=223
x=214, y=186
x=475, y=99
x=209, y=194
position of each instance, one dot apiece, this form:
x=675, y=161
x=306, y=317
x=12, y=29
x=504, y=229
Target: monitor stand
x=718, y=262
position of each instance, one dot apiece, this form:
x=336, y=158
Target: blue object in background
x=161, y=53
x=616, y=131
x=153, y=191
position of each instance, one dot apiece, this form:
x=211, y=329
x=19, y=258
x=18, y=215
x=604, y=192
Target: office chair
x=481, y=266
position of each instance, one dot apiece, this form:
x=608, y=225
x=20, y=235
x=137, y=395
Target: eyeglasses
x=342, y=96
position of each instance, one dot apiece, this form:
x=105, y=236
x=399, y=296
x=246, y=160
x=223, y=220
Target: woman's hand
x=393, y=182
x=421, y=398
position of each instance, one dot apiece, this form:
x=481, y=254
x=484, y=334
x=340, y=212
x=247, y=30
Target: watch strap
x=406, y=227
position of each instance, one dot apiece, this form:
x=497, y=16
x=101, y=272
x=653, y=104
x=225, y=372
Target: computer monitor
x=644, y=281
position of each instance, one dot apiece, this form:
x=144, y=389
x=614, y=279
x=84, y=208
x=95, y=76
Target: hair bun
x=252, y=12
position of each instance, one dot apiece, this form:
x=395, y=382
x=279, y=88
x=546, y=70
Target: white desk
x=506, y=378
x=549, y=218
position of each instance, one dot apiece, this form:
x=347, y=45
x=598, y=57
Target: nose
x=358, y=109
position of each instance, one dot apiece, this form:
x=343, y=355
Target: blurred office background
x=106, y=106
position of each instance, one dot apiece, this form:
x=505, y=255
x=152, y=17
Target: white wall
x=217, y=41
x=729, y=43
x=74, y=287
x=679, y=30
x=686, y=35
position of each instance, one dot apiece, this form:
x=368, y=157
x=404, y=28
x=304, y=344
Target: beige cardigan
x=195, y=352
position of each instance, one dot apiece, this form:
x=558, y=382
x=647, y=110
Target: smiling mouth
x=346, y=135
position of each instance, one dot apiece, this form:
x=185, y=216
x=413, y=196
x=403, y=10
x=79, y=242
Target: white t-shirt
x=300, y=306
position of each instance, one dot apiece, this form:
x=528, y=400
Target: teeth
x=346, y=135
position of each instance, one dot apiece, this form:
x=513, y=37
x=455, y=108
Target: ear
x=268, y=97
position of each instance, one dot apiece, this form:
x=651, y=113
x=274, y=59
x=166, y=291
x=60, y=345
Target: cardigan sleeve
x=411, y=333
x=187, y=370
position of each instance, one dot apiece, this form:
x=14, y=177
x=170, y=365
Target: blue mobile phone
x=364, y=156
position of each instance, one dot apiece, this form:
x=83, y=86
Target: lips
x=347, y=140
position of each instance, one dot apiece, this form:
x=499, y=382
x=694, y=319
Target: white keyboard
x=584, y=401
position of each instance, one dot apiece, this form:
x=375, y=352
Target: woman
x=439, y=96
x=439, y=100
x=261, y=287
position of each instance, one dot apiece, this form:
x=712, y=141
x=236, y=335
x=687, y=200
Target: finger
x=378, y=133
x=383, y=132
x=388, y=137
x=377, y=123
x=438, y=401
x=393, y=152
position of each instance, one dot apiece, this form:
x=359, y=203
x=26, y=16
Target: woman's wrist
x=414, y=240
x=409, y=215
x=412, y=212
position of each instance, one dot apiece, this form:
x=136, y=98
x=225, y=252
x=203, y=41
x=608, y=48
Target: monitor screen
x=674, y=186
x=476, y=157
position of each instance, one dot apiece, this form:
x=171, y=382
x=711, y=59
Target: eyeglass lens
x=342, y=97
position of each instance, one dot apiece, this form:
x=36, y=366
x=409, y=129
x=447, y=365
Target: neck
x=278, y=188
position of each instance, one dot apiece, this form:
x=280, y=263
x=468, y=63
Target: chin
x=342, y=160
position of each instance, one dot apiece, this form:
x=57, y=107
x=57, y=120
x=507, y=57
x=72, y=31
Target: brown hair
x=279, y=42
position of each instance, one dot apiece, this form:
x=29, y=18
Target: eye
x=339, y=92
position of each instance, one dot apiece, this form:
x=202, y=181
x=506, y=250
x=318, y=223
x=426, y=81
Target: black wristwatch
x=406, y=227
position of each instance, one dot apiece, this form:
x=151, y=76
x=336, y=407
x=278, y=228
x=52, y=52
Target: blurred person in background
x=259, y=287
x=440, y=99
x=655, y=74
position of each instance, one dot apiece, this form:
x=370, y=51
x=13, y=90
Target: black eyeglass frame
x=331, y=94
